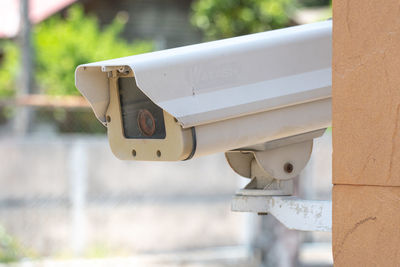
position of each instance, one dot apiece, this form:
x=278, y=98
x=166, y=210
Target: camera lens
x=146, y=122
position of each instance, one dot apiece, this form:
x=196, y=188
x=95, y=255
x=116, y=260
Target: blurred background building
x=65, y=199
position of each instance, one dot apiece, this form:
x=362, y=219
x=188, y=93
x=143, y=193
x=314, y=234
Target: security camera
x=260, y=98
x=230, y=95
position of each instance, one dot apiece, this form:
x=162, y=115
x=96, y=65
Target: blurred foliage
x=10, y=250
x=228, y=18
x=8, y=68
x=62, y=44
x=69, y=120
x=102, y=250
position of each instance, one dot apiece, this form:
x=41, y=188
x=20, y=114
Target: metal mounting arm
x=271, y=168
x=294, y=213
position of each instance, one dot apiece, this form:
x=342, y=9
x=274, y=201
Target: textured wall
x=366, y=132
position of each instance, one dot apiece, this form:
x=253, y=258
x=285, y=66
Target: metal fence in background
x=64, y=194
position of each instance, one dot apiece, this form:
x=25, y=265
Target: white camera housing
x=231, y=94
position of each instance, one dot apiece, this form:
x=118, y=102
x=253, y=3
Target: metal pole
x=274, y=244
x=78, y=176
x=24, y=84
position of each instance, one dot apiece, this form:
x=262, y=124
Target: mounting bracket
x=271, y=167
x=294, y=213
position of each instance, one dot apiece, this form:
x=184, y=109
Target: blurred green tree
x=10, y=249
x=228, y=18
x=62, y=44
x=8, y=68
